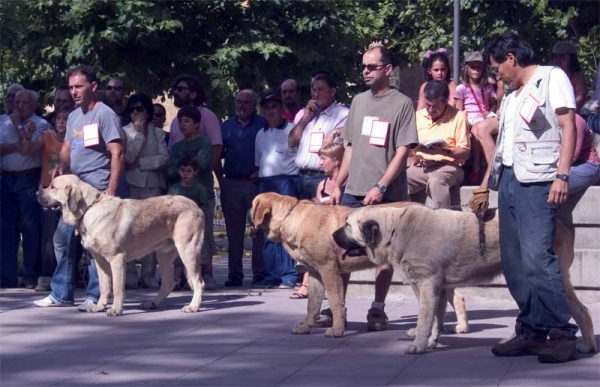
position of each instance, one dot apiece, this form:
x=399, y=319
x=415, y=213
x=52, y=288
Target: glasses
x=159, y=115
x=138, y=108
x=180, y=89
x=115, y=88
x=372, y=67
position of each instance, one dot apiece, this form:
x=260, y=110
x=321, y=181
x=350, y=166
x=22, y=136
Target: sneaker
x=233, y=282
x=209, y=282
x=42, y=287
x=287, y=285
x=325, y=319
x=376, y=320
x=262, y=283
x=559, y=349
x=48, y=303
x=87, y=305
x=520, y=345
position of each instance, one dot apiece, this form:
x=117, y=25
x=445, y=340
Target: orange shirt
x=50, y=152
x=450, y=127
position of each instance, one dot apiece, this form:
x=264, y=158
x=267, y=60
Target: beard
x=179, y=102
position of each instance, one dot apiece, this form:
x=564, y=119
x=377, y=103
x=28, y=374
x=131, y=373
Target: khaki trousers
x=436, y=179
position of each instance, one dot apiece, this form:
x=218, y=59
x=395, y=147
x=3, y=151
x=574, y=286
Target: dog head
x=70, y=194
x=269, y=211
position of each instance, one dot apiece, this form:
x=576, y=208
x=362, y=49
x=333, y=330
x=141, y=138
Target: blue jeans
x=65, y=245
x=20, y=216
x=307, y=186
x=582, y=175
x=530, y=266
x=279, y=265
x=352, y=201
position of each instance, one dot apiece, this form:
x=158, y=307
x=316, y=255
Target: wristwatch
x=382, y=188
x=563, y=177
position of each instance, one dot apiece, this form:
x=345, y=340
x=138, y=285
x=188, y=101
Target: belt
x=24, y=172
x=238, y=177
x=312, y=172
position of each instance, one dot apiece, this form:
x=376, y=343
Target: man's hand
x=310, y=110
x=15, y=117
x=110, y=191
x=374, y=196
x=480, y=201
x=59, y=170
x=559, y=191
x=336, y=196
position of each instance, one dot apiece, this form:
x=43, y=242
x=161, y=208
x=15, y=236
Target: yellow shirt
x=450, y=127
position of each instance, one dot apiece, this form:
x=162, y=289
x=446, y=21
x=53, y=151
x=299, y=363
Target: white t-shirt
x=560, y=95
x=273, y=156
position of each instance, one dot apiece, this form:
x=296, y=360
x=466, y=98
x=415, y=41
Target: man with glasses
x=379, y=131
x=115, y=91
x=444, y=146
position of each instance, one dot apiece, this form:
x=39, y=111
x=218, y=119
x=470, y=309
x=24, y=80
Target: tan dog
x=439, y=249
x=115, y=231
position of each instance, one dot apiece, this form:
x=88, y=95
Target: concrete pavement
x=241, y=338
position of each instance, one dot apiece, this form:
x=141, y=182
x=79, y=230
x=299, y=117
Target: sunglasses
x=115, y=88
x=159, y=115
x=371, y=67
x=180, y=89
x=138, y=109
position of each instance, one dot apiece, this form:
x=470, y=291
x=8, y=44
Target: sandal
x=298, y=295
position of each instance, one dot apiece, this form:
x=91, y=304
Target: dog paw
x=114, y=312
x=584, y=348
x=333, y=332
x=415, y=349
x=432, y=344
x=147, y=305
x=458, y=328
x=302, y=329
x=96, y=309
x=190, y=309
x=412, y=332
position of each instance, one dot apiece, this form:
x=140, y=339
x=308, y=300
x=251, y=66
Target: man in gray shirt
x=92, y=150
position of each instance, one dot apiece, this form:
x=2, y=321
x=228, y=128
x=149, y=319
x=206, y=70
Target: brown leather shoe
x=520, y=345
x=560, y=348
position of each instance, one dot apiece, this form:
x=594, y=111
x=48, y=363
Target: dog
x=306, y=230
x=438, y=250
x=116, y=231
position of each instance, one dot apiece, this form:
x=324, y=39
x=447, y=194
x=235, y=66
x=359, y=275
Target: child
x=331, y=159
x=437, y=67
x=199, y=147
x=189, y=187
x=477, y=97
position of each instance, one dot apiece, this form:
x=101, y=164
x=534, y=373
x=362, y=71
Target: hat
x=474, y=56
x=564, y=47
x=270, y=97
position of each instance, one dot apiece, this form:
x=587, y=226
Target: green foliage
x=258, y=43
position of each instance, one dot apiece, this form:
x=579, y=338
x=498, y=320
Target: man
x=238, y=185
x=62, y=97
x=321, y=116
x=530, y=170
x=290, y=95
x=91, y=150
x=188, y=91
x=20, y=177
x=379, y=130
x=277, y=172
x=9, y=98
x=438, y=167
x=115, y=91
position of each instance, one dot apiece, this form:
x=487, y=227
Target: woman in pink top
x=585, y=170
x=477, y=97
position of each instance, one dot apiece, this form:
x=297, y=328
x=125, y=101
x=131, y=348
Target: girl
x=331, y=159
x=477, y=97
x=437, y=67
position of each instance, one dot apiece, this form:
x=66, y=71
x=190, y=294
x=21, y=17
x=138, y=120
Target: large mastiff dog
x=439, y=249
x=115, y=231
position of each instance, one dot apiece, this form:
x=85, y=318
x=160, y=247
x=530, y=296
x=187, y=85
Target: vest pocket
x=538, y=156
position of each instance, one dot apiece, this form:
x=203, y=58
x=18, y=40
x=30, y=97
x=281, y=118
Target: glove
x=480, y=201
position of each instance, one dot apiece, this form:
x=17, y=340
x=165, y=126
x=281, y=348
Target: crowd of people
x=378, y=150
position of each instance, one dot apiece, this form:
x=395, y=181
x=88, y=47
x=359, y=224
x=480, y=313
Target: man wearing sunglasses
x=379, y=131
x=115, y=91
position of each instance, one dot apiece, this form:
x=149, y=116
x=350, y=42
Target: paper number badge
x=316, y=142
x=379, y=132
x=529, y=107
x=91, y=136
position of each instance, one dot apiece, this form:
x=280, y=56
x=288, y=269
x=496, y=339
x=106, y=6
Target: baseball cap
x=269, y=97
x=564, y=47
x=474, y=56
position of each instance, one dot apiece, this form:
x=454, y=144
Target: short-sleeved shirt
x=239, y=146
x=92, y=163
x=198, y=148
x=273, y=155
x=370, y=162
x=196, y=192
x=209, y=127
x=15, y=161
x=324, y=121
x=450, y=127
x=484, y=96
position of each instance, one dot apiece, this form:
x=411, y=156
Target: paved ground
x=243, y=339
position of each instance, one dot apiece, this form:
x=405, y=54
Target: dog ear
x=73, y=198
x=259, y=212
x=370, y=231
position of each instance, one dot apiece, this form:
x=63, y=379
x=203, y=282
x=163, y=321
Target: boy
x=198, y=147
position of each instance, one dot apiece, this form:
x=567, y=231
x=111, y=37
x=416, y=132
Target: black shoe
x=559, y=349
x=520, y=345
x=376, y=320
x=28, y=284
x=233, y=282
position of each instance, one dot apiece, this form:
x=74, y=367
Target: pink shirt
x=470, y=105
x=209, y=126
x=584, y=148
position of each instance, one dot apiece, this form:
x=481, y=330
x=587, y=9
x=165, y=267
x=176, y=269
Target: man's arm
x=296, y=133
x=215, y=156
x=560, y=189
x=116, y=163
x=374, y=196
x=64, y=160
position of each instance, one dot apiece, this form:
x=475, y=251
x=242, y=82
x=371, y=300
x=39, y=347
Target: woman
x=146, y=157
x=565, y=56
